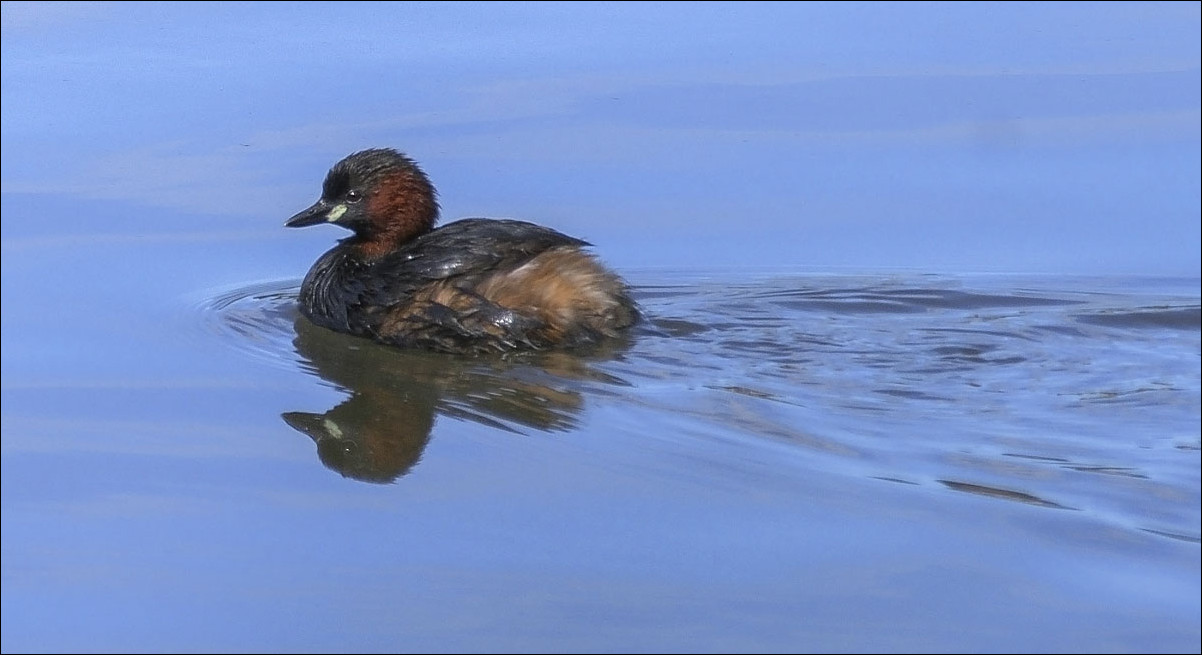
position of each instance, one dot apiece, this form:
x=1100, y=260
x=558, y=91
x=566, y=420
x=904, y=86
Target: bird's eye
x=353, y=196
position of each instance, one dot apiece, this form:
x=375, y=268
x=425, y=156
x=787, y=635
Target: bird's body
x=474, y=285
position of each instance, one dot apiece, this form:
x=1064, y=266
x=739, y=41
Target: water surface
x=773, y=461
x=834, y=432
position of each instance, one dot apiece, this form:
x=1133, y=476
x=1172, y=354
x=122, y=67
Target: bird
x=472, y=286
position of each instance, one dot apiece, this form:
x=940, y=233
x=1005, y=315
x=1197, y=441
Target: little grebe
x=474, y=285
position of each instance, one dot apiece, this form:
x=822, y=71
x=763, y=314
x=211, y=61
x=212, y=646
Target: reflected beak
x=304, y=422
x=321, y=212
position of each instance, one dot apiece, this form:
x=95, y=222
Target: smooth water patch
x=1065, y=394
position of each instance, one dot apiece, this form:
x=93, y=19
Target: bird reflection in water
x=379, y=432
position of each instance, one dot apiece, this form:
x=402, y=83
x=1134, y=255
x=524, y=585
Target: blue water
x=921, y=369
x=775, y=461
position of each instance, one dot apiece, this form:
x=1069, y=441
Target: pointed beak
x=322, y=211
x=305, y=423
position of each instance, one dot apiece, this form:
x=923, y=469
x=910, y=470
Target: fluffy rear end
x=574, y=296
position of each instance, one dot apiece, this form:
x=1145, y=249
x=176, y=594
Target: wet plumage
x=474, y=285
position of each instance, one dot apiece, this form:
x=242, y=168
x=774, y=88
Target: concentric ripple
x=257, y=319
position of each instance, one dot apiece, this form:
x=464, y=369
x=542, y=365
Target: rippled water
x=1065, y=394
x=809, y=446
x=770, y=463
